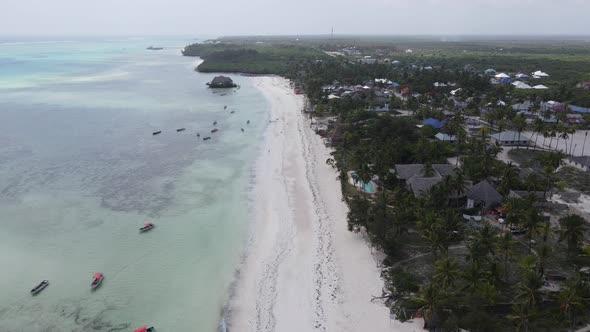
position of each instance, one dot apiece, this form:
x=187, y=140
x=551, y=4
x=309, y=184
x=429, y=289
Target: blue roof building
x=434, y=123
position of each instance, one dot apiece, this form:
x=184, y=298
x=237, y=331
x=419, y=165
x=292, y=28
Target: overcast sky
x=293, y=17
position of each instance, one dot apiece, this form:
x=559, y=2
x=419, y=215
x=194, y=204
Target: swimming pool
x=369, y=187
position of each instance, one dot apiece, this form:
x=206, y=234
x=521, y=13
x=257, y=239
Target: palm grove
x=455, y=273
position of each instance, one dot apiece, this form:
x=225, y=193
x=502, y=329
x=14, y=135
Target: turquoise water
x=80, y=172
x=366, y=187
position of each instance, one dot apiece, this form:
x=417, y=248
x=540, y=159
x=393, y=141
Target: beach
x=302, y=270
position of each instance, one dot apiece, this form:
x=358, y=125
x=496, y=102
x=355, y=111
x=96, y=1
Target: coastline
x=302, y=269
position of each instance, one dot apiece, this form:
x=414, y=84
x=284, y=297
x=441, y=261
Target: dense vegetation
x=457, y=274
x=250, y=58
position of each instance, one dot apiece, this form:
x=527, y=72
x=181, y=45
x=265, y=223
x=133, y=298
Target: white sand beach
x=303, y=270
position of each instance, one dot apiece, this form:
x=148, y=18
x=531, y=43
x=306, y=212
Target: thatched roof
x=484, y=192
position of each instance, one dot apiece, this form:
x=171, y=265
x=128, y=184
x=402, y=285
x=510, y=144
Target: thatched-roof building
x=222, y=82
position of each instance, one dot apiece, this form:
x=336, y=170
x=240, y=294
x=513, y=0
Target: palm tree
x=519, y=124
x=570, y=302
x=429, y=298
x=562, y=132
x=573, y=227
x=505, y=245
x=532, y=223
x=447, y=272
x=522, y=316
x=473, y=278
x=538, y=127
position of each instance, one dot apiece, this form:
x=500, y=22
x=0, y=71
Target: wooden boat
x=214, y=130
x=180, y=129
x=215, y=123
x=144, y=329
x=41, y=286
x=146, y=226
x=157, y=132
x=232, y=112
x=207, y=138
x=225, y=107
x=242, y=129
x=248, y=122
x=96, y=280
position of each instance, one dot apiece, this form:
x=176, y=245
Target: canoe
x=180, y=129
x=156, y=132
x=96, y=280
x=144, y=329
x=41, y=286
x=206, y=138
x=214, y=130
x=146, y=227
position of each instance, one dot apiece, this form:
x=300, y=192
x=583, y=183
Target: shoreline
x=302, y=270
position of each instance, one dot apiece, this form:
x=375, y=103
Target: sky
x=294, y=17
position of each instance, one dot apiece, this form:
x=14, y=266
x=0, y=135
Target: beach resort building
x=483, y=195
x=510, y=138
x=420, y=178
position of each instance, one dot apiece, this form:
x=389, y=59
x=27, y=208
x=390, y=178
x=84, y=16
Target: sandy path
x=303, y=270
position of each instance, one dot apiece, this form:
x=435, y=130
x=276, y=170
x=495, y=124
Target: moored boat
x=207, y=138
x=157, y=132
x=144, y=329
x=147, y=226
x=96, y=280
x=214, y=123
x=180, y=129
x=214, y=130
x=41, y=286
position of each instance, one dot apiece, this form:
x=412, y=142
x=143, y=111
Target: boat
x=151, y=48
x=157, y=132
x=180, y=129
x=207, y=138
x=198, y=135
x=248, y=122
x=144, y=329
x=225, y=107
x=214, y=130
x=215, y=123
x=147, y=226
x=41, y=286
x=232, y=112
x=96, y=280
x=242, y=129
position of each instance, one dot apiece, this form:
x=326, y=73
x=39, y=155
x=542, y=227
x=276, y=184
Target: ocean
x=80, y=172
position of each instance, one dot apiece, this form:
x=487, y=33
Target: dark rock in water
x=242, y=129
x=207, y=138
x=198, y=135
x=221, y=82
x=248, y=122
x=180, y=129
x=157, y=132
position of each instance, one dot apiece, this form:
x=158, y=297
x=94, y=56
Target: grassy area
x=252, y=58
x=575, y=178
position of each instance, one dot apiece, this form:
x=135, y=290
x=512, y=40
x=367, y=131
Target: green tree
x=447, y=272
x=572, y=230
